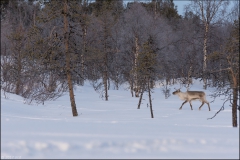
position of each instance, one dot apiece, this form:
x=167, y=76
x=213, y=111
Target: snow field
x=116, y=128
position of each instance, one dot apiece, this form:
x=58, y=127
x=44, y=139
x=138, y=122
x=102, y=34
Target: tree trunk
x=17, y=90
x=131, y=87
x=140, y=99
x=136, y=86
x=150, y=99
x=173, y=82
x=105, y=84
x=68, y=70
x=234, y=107
x=84, y=50
x=19, y=70
x=109, y=83
x=205, y=55
x=117, y=82
x=189, y=77
x=105, y=66
x=234, y=103
x=151, y=84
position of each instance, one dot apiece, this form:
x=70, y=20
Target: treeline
x=48, y=47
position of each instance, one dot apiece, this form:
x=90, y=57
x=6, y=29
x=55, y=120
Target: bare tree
x=210, y=12
x=229, y=55
x=137, y=22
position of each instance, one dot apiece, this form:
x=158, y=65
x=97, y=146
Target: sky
x=180, y=5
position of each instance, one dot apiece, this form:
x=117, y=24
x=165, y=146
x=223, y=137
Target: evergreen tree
x=60, y=55
x=147, y=70
x=164, y=8
x=18, y=18
x=105, y=12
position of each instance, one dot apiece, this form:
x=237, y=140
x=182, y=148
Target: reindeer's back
x=196, y=93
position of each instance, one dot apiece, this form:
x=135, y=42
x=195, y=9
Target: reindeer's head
x=176, y=92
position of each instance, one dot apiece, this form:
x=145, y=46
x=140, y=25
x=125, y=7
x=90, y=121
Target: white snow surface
x=116, y=128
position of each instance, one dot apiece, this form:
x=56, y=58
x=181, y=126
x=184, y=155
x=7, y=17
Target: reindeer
x=192, y=95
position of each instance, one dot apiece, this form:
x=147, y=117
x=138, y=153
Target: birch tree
x=210, y=12
x=137, y=22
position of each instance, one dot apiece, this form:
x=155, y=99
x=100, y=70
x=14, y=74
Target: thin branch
x=221, y=109
x=220, y=70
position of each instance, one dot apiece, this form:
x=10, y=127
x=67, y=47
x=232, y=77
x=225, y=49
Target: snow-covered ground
x=116, y=128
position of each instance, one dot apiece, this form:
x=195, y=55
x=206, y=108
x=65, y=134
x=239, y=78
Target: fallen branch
x=222, y=108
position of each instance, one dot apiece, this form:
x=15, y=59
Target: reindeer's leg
x=208, y=106
x=183, y=104
x=190, y=105
x=201, y=106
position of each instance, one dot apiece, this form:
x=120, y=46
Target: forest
x=48, y=47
